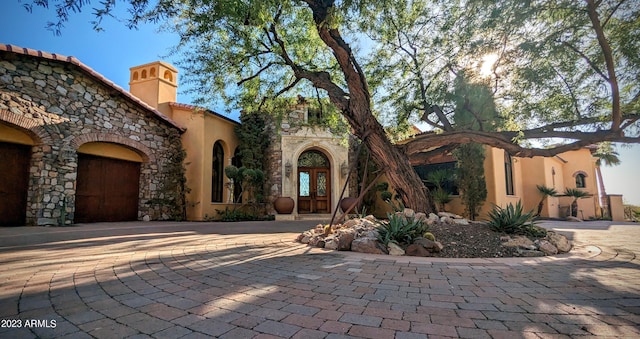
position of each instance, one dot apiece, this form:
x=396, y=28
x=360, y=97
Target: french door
x=314, y=190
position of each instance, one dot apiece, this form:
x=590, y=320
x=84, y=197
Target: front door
x=314, y=189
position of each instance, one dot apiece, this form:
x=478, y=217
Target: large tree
x=564, y=69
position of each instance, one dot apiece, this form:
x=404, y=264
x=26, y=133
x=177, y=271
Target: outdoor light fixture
x=288, y=168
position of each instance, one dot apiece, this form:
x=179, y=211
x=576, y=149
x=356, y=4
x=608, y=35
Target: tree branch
x=586, y=58
x=255, y=75
x=616, y=116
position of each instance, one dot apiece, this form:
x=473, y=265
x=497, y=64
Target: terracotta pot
x=283, y=205
x=345, y=203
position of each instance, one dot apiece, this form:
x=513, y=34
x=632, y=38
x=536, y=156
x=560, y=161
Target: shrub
x=511, y=220
x=400, y=229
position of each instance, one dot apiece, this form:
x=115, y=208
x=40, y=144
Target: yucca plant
x=546, y=192
x=400, y=229
x=510, y=220
x=441, y=197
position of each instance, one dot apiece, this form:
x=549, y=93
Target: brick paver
x=248, y=280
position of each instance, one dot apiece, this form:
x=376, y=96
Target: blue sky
x=113, y=51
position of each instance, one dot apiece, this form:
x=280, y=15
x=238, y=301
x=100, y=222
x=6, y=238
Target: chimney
x=155, y=83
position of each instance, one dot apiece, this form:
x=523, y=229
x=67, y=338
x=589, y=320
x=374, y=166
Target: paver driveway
x=169, y=280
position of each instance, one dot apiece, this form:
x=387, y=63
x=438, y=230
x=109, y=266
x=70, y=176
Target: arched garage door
x=106, y=189
x=14, y=183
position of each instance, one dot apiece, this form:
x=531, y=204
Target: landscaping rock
x=345, y=239
x=450, y=215
x=367, y=245
x=331, y=243
x=559, y=241
x=409, y=213
x=547, y=248
x=417, y=250
x=461, y=221
x=395, y=249
x=520, y=242
x=429, y=245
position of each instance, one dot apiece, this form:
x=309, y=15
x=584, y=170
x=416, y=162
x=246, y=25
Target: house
x=305, y=162
x=75, y=147
x=78, y=148
x=512, y=179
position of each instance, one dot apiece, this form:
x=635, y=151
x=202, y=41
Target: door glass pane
x=321, y=182
x=304, y=184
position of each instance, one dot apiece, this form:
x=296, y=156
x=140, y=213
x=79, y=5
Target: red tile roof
x=89, y=71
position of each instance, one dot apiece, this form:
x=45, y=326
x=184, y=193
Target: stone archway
x=314, y=182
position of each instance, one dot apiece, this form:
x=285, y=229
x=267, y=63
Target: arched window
x=144, y=74
x=135, y=75
x=217, y=173
x=152, y=72
x=580, y=180
x=237, y=186
x=508, y=173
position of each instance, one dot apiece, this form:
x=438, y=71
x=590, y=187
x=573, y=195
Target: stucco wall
x=61, y=108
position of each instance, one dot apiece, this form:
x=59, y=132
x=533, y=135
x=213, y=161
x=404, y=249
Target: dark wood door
x=314, y=190
x=14, y=183
x=106, y=189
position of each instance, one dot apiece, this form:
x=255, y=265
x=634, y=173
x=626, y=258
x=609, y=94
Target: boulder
x=429, y=245
x=417, y=250
x=345, y=239
x=433, y=217
x=316, y=239
x=461, y=221
x=395, y=249
x=409, y=213
x=520, y=242
x=331, y=243
x=350, y=223
x=559, y=241
x=450, y=215
x=367, y=245
x=547, y=248
x=446, y=220
x=421, y=216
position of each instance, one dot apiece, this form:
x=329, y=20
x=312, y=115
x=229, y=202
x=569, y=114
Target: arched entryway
x=314, y=182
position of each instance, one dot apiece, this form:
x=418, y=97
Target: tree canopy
x=558, y=69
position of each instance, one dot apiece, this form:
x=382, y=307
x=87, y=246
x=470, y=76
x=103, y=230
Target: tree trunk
x=356, y=108
x=603, y=194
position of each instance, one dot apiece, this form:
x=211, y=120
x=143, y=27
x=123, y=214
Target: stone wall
x=63, y=106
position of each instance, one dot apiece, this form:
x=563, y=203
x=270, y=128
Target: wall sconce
x=344, y=169
x=288, y=169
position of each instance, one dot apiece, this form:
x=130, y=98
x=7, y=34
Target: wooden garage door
x=106, y=189
x=14, y=183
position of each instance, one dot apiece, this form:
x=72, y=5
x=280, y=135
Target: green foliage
x=546, y=192
x=171, y=199
x=441, y=197
x=251, y=181
x=254, y=138
x=470, y=177
x=400, y=229
x=235, y=214
x=511, y=220
x=575, y=194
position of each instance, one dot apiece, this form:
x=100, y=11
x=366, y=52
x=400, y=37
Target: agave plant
x=546, y=192
x=575, y=194
x=400, y=229
x=511, y=219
